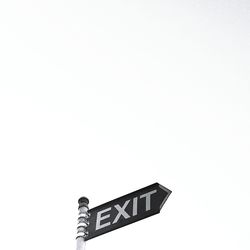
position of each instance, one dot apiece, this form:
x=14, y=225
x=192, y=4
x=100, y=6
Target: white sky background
x=100, y=98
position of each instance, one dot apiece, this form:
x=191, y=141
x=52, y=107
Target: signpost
x=119, y=212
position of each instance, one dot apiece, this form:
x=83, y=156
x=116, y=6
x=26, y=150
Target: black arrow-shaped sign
x=127, y=209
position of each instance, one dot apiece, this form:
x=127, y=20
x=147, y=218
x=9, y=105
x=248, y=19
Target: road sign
x=127, y=209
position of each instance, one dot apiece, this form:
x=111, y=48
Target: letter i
x=135, y=203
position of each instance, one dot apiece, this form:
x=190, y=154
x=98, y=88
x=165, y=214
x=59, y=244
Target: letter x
x=121, y=211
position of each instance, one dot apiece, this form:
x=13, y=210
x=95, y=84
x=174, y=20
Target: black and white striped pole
x=83, y=222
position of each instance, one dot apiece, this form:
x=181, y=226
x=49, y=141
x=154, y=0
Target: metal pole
x=83, y=223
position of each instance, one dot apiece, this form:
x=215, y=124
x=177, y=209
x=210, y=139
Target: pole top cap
x=83, y=202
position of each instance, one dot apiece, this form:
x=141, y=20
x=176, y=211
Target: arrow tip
x=167, y=193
